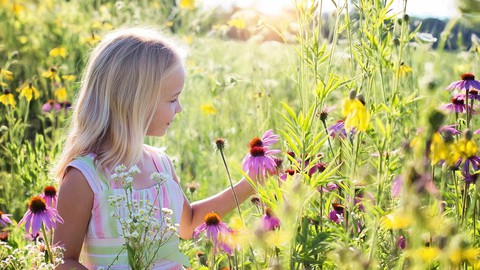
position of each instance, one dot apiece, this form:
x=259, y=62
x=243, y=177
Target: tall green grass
x=238, y=89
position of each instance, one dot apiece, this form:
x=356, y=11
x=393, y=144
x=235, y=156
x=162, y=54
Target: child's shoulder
x=160, y=151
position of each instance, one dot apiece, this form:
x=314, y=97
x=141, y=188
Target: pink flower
x=39, y=213
x=450, y=128
x=468, y=82
x=50, y=196
x=4, y=219
x=401, y=242
x=215, y=231
x=336, y=215
x=338, y=129
x=269, y=138
x=259, y=162
x=269, y=222
x=50, y=105
x=457, y=105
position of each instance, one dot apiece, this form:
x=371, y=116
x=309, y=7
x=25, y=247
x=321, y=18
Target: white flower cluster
x=123, y=176
x=159, y=177
x=31, y=256
x=144, y=225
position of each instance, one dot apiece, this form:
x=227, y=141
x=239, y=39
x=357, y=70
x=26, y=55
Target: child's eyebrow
x=176, y=94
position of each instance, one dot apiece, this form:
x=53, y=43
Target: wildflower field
x=375, y=164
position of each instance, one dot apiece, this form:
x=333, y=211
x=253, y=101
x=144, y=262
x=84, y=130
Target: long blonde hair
x=121, y=84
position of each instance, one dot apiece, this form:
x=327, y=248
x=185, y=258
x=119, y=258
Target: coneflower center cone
x=457, y=101
x=468, y=77
x=257, y=151
x=255, y=142
x=37, y=204
x=50, y=191
x=212, y=219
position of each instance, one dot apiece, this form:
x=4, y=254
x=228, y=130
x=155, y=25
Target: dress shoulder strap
x=86, y=165
x=160, y=159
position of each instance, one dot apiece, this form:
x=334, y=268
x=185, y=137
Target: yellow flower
x=208, y=109
x=458, y=256
x=404, y=69
x=187, y=4
x=356, y=115
x=466, y=148
x=61, y=94
x=17, y=9
x=277, y=238
x=7, y=98
x=471, y=254
x=428, y=254
x=237, y=23
x=240, y=238
x=8, y=75
x=188, y=39
x=51, y=74
x=169, y=24
x=22, y=39
x=396, y=221
x=102, y=25
x=438, y=149
x=92, y=39
x=69, y=78
x=29, y=91
x=58, y=51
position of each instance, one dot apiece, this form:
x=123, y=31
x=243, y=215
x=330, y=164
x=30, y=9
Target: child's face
x=169, y=105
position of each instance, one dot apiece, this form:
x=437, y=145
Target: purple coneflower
x=214, y=229
x=450, y=128
x=269, y=138
x=39, y=213
x=4, y=219
x=397, y=186
x=401, y=242
x=269, y=222
x=473, y=162
x=468, y=82
x=338, y=129
x=325, y=111
x=336, y=215
x=287, y=173
x=50, y=196
x=474, y=94
x=457, y=105
x=318, y=167
x=50, y=105
x=259, y=162
x=327, y=188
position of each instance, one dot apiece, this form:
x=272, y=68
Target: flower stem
x=47, y=245
x=231, y=184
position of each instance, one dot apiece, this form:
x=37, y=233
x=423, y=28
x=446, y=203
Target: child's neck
x=147, y=167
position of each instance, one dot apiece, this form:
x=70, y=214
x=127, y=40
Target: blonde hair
x=121, y=84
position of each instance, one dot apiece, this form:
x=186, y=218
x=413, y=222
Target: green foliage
x=238, y=89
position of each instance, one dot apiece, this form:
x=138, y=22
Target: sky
x=419, y=8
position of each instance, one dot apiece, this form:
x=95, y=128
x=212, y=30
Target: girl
x=130, y=89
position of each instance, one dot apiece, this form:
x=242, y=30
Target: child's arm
x=75, y=201
x=222, y=203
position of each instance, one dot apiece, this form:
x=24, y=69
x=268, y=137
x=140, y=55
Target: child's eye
x=173, y=101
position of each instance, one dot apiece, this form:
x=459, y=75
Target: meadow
x=402, y=145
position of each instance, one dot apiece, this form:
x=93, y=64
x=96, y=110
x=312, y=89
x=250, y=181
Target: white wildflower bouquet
x=31, y=256
x=143, y=231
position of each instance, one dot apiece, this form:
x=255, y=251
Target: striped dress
x=103, y=241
